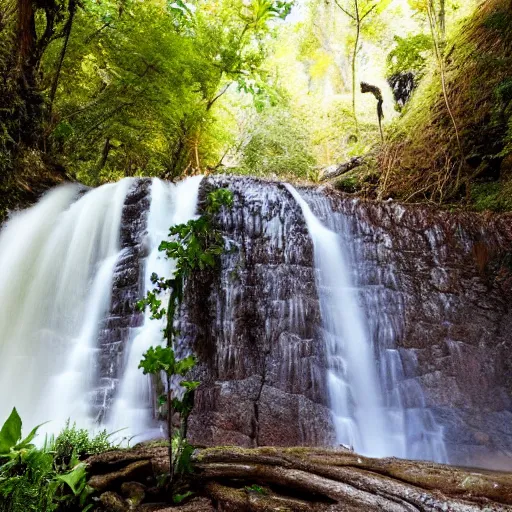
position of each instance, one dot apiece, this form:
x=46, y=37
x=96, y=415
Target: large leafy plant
x=11, y=444
x=30, y=479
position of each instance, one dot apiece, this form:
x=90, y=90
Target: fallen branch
x=378, y=96
x=335, y=171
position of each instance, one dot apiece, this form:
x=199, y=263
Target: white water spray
x=356, y=401
x=58, y=260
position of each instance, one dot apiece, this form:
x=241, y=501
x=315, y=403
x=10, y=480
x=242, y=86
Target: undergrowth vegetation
x=46, y=478
x=430, y=156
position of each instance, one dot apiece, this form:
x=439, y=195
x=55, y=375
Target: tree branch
x=369, y=11
x=345, y=11
x=209, y=105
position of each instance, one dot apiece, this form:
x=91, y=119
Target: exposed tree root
x=311, y=479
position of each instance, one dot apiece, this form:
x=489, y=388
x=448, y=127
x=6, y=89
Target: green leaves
x=179, y=498
x=409, y=54
x=76, y=479
x=219, y=198
x=162, y=359
x=10, y=433
x=39, y=479
x=158, y=359
x=183, y=366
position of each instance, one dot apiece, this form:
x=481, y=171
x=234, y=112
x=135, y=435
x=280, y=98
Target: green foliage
x=278, y=145
x=182, y=455
x=79, y=442
x=36, y=479
x=496, y=197
x=409, y=54
x=256, y=488
x=140, y=85
x=28, y=485
x=217, y=199
x=424, y=159
x=499, y=20
x=76, y=480
x=11, y=445
x=179, y=498
x=162, y=359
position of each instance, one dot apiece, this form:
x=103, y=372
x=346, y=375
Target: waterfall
x=60, y=262
x=57, y=260
x=299, y=333
x=133, y=407
x=367, y=407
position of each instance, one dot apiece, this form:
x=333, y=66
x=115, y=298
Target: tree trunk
x=169, y=429
x=26, y=32
x=338, y=170
x=29, y=115
x=442, y=21
x=354, y=64
x=67, y=33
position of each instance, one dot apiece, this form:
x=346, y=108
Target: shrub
x=78, y=442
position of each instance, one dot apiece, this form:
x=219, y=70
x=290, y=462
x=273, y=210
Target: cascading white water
x=366, y=384
x=355, y=397
x=415, y=432
x=62, y=258
x=57, y=260
x=133, y=406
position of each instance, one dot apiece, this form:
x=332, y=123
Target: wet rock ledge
x=294, y=479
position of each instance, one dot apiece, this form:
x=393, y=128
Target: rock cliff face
x=447, y=278
x=255, y=328
x=128, y=288
x=435, y=287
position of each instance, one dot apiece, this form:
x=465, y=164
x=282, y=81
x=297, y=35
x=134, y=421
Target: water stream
x=57, y=260
x=368, y=408
x=133, y=408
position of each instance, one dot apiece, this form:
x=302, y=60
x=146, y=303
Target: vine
x=194, y=246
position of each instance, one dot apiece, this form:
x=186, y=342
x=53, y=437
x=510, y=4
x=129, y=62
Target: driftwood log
x=337, y=170
x=296, y=479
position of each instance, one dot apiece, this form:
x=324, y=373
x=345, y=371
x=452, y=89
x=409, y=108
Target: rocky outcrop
x=435, y=287
x=298, y=479
x=436, y=290
x=447, y=280
x=255, y=328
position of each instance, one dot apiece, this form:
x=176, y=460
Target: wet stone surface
x=435, y=288
x=257, y=324
x=446, y=283
x=436, y=291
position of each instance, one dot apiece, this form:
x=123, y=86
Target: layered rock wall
x=127, y=289
x=447, y=278
x=435, y=287
x=255, y=328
